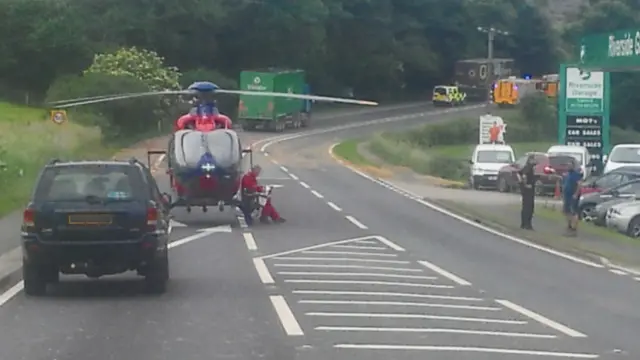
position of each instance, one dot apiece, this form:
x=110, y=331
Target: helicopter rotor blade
x=61, y=102
x=299, y=96
x=80, y=102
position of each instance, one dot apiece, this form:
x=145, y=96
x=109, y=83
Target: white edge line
x=317, y=194
x=294, y=251
x=441, y=210
x=287, y=319
x=541, y=319
x=390, y=243
x=305, y=185
x=263, y=271
x=456, y=279
x=294, y=177
x=284, y=169
x=13, y=291
x=355, y=222
x=250, y=241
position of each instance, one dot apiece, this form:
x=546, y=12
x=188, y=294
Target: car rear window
x=77, y=182
x=561, y=160
x=440, y=91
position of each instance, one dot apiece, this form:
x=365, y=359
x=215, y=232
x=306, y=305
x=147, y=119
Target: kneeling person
x=250, y=185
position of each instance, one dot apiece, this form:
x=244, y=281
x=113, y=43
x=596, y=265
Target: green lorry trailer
x=270, y=112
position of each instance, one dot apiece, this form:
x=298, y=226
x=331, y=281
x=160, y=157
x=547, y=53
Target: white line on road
x=636, y=278
x=284, y=169
x=363, y=282
x=365, y=242
x=541, y=319
x=317, y=194
x=287, y=319
x=355, y=222
x=250, y=241
x=466, y=349
x=343, y=259
x=294, y=251
x=189, y=239
x=339, y=266
x=294, y=177
x=399, y=303
x=434, y=331
x=263, y=271
x=13, y=291
x=357, y=253
x=395, y=276
x=305, y=185
x=334, y=206
x=390, y=243
x=458, y=280
x=617, y=272
x=416, y=316
x=369, y=294
x=356, y=247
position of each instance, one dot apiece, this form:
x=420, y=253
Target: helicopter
x=205, y=157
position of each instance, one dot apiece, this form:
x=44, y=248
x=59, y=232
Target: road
x=358, y=271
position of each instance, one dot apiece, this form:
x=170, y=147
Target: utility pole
x=491, y=35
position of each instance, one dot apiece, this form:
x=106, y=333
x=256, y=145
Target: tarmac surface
x=359, y=271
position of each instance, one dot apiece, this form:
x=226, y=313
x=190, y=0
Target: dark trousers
x=526, y=213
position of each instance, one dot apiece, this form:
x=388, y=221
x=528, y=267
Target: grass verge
x=595, y=244
x=28, y=140
x=348, y=151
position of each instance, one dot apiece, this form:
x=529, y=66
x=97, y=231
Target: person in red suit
x=250, y=184
x=203, y=123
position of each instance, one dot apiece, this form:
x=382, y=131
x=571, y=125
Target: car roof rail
x=54, y=161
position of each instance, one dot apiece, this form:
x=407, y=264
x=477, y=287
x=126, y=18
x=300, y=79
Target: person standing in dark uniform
x=527, y=179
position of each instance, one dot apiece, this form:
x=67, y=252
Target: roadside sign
x=58, y=116
x=492, y=129
x=586, y=131
x=583, y=111
x=616, y=50
x=584, y=90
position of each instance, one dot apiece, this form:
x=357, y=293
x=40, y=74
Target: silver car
x=599, y=213
x=625, y=218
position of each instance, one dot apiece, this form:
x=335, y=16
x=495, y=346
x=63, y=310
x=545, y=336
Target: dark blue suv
x=95, y=218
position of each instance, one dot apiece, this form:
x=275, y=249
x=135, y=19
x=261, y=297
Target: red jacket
x=250, y=182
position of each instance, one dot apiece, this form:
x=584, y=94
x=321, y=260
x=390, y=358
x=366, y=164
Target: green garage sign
x=614, y=51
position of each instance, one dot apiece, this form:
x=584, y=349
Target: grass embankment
x=28, y=140
x=348, y=151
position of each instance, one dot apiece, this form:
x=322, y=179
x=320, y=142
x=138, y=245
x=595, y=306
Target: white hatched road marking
x=399, y=303
x=434, y=331
x=359, y=247
x=458, y=280
x=466, y=349
x=398, y=276
x=369, y=294
x=320, y=252
x=416, y=316
x=287, y=319
x=343, y=259
x=541, y=319
x=339, y=266
x=363, y=282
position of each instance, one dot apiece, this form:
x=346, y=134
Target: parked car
x=599, y=214
x=545, y=166
x=580, y=153
x=588, y=202
x=486, y=161
x=625, y=218
x=611, y=179
x=622, y=155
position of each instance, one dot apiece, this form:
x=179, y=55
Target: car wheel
x=634, y=227
x=157, y=275
x=586, y=212
x=503, y=186
x=35, y=283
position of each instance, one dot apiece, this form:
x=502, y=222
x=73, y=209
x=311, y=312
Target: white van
x=580, y=153
x=622, y=155
x=486, y=161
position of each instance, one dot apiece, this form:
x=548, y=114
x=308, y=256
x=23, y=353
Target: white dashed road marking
x=317, y=194
x=355, y=222
x=305, y=185
x=250, y=241
x=334, y=206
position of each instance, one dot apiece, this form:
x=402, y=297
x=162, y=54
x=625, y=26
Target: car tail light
x=29, y=217
x=152, y=217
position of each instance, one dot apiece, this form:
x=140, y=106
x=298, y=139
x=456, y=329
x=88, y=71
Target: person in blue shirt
x=571, y=197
